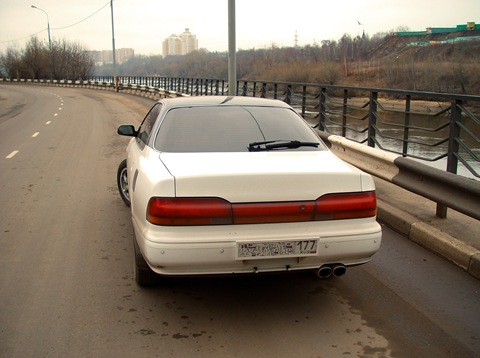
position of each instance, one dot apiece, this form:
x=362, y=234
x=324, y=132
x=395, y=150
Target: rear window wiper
x=279, y=144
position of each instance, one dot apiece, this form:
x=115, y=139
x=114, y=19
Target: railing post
x=406, y=127
x=205, y=88
x=455, y=118
x=322, y=109
x=344, y=113
x=304, y=100
x=453, y=147
x=245, y=88
x=264, y=90
x=372, y=118
x=196, y=87
x=288, y=95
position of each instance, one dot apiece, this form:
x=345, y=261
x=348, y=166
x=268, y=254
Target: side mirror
x=127, y=130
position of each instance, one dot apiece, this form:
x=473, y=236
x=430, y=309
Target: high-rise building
x=106, y=56
x=180, y=44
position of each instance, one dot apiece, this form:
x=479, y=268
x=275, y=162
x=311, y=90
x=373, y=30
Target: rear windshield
x=230, y=129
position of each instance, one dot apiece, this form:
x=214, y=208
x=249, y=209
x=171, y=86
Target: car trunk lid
x=261, y=176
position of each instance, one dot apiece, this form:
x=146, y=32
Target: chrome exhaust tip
x=324, y=272
x=339, y=270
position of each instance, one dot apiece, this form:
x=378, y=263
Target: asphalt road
x=66, y=264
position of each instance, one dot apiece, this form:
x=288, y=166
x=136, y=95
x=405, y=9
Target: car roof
x=201, y=101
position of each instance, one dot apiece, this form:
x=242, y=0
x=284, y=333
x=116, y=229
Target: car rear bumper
x=166, y=254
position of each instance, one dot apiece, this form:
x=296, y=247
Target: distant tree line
x=359, y=61
x=269, y=63
x=362, y=61
x=65, y=60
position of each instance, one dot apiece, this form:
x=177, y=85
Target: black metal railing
x=440, y=128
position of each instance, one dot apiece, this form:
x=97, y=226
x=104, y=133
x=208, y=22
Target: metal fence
x=440, y=128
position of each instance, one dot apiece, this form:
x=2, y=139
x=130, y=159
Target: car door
x=138, y=147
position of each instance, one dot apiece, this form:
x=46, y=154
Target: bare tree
x=11, y=63
x=36, y=59
x=66, y=60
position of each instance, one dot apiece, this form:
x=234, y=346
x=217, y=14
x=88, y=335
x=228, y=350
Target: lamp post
x=49, y=39
x=115, y=78
x=232, y=50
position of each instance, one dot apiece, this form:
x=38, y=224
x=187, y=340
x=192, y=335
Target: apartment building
x=180, y=44
x=106, y=56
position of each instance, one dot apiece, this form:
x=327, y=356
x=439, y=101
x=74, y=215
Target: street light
x=115, y=79
x=49, y=39
x=48, y=27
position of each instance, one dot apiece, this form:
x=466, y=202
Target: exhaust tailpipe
x=324, y=272
x=339, y=270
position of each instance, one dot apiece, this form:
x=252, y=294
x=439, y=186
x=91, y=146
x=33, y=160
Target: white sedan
x=233, y=185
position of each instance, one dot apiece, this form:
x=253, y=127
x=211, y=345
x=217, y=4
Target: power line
x=89, y=16
x=59, y=28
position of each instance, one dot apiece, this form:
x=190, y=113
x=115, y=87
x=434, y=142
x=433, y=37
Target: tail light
x=189, y=211
x=346, y=206
x=217, y=211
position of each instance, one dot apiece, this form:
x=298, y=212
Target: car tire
x=143, y=274
x=122, y=182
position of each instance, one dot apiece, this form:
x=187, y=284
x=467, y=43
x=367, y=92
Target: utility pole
x=113, y=48
x=232, y=50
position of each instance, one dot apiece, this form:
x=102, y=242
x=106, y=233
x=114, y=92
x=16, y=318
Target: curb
x=431, y=238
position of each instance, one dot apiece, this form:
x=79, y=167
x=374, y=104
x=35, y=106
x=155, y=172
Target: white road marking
x=11, y=155
x=35, y=134
x=47, y=123
x=56, y=114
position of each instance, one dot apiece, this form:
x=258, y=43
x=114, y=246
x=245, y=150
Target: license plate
x=257, y=250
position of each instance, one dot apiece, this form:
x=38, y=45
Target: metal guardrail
x=446, y=189
x=454, y=191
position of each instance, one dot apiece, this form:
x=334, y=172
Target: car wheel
x=144, y=276
x=122, y=182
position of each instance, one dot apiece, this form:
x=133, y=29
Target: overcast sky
x=144, y=24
